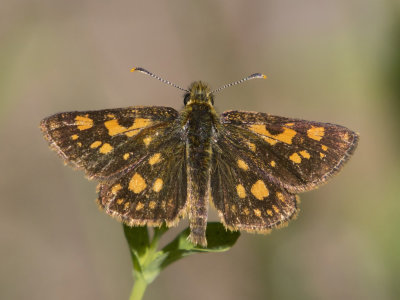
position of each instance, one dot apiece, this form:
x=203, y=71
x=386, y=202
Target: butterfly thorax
x=200, y=123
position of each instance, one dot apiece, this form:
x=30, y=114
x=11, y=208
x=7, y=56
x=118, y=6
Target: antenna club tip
x=133, y=69
x=264, y=76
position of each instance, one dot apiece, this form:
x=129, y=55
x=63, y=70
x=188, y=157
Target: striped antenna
x=252, y=76
x=144, y=71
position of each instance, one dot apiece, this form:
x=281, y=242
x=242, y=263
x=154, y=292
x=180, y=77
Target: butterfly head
x=199, y=92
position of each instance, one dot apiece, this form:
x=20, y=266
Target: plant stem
x=138, y=289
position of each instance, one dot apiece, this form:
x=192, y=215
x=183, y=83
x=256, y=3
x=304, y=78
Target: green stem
x=138, y=289
x=140, y=284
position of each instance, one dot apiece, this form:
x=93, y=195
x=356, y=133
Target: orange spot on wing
x=116, y=188
x=259, y=190
x=251, y=146
x=241, y=191
x=305, y=154
x=280, y=196
x=95, y=144
x=316, y=133
x=147, y=140
x=115, y=128
x=139, y=206
x=158, y=184
x=295, y=158
x=137, y=184
x=156, y=158
x=286, y=136
x=83, y=122
x=242, y=165
x=106, y=148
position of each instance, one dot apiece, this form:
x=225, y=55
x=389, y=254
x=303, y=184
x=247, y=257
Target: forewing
x=245, y=198
x=151, y=192
x=106, y=142
x=295, y=154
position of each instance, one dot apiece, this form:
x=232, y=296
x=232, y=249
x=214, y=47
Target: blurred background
x=332, y=61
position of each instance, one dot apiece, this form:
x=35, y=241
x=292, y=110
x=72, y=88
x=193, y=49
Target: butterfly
x=156, y=165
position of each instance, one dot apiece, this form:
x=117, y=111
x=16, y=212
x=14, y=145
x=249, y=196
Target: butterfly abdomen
x=199, y=118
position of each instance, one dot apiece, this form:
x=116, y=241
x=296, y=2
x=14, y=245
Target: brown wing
x=244, y=195
x=261, y=161
x=152, y=191
x=105, y=142
x=296, y=154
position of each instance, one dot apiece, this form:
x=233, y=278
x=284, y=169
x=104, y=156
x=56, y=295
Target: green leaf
x=138, y=240
x=219, y=240
x=148, y=262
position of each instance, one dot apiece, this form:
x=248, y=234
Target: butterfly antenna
x=252, y=76
x=144, y=71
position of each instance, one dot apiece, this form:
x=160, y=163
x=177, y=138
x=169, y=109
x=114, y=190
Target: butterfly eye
x=186, y=98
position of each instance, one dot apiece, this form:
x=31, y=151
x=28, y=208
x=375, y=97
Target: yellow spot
x=163, y=203
x=286, y=136
x=242, y=165
x=120, y=201
x=240, y=191
x=106, y=148
x=116, y=188
x=259, y=190
x=257, y=212
x=276, y=209
x=126, y=205
x=324, y=147
x=79, y=144
x=139, y=206
x=83, y=122
x=289, y=124
x=147, y=140
x=322, y=155
x=233, y=208
x=95, y=144
x=74, y=137
x=272, y=163
x=246, y=211
x=114, y=127
x=111, y=116
x=269, y=212
x=295, y=158
x=251, y=146
x=156, y=158
x=280, y=196
x=137, y=184
x=152, y=204
x=316, y=133
x=126, y=156
x=305, y=154
x=158, y=184
x=346, y=137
